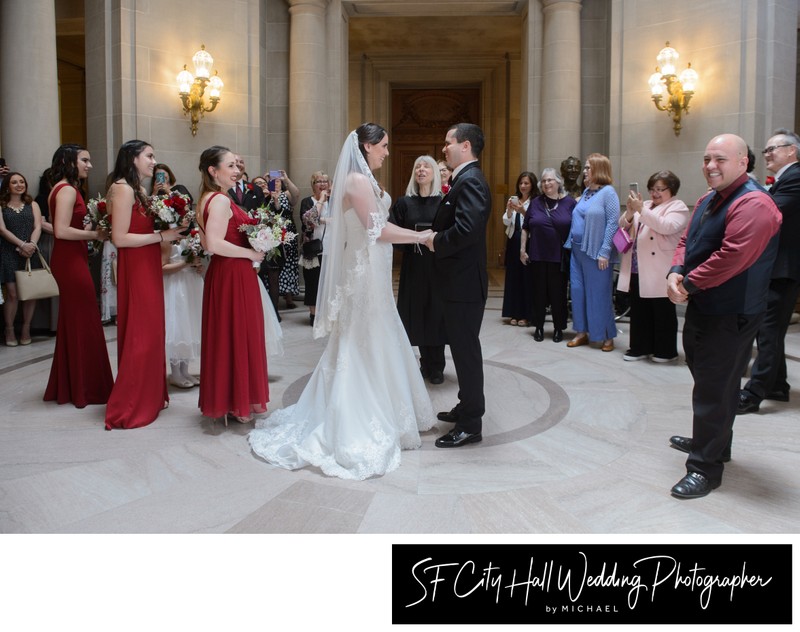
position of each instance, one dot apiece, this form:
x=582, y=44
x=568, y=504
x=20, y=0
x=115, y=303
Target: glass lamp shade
x=185, y=80
x=656, y=85
x=667, y=59
x=202, y=63
x=688, y=79
x=215, y=86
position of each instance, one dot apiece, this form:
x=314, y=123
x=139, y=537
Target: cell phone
x=514, y=199
x=161, y=177
x=634, y=187
x=274, y=174
x=2, y=162
x=271, y=184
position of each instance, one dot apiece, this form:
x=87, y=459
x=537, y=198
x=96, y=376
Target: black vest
x=746, y=293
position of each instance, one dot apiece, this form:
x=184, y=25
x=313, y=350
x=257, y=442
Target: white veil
x=333, y=282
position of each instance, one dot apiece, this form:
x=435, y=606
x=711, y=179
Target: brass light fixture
x=191, y=88
x=678, y=90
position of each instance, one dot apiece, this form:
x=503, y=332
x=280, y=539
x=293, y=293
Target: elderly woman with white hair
x=544, y=231
x=419, y=305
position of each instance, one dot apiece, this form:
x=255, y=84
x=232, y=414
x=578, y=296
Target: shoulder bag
x=33, y=284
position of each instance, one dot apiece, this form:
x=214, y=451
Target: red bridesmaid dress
x=140, y=391
x=233, y=357
x=81, y=372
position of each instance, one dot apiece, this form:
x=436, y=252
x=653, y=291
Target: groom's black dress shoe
x=450, y=416
x=457, y=438
x=558, y=335
x=693, y=485
x=747, y=403
x=538, y=334
x=778, y=396
x=684, y=444
x=436, y=377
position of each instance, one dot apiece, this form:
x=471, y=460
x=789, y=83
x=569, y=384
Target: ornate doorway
x=420, y=120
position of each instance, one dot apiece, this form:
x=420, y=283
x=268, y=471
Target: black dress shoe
x=558, y=335
x=538, y=334
x=693, y=485
x=436, y=377
x=450, y=416
x=747, y=403
x=457, y=438
x=778, y=396
x=684, y=444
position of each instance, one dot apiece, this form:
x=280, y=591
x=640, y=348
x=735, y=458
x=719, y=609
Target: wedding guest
x=594, y=222
x=444, y=173
x=246, y=195
x=20, y=229
x=165, y=183
x=140, y=391
x=183, y=305
x=81, y=372
x=516, y=292
x=262, y=184
x=108, y=283
x=279, y=203
x=314, y=216
x=655, y=227
x=233, y=359
x=418, y=302
x=545, y=230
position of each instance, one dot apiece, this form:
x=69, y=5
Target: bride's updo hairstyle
x=371, y=133
x=211, y=157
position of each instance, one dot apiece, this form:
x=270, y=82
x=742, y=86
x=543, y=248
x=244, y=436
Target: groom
x=459, y=246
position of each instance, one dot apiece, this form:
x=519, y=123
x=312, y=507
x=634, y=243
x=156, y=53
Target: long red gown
x=81, y=372
x=233, y=357
x=140, y=391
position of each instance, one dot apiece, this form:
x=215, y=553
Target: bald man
x=721, y=271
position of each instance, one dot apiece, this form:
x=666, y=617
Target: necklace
x=16, y=209
x=547, y=208
x=589, y=193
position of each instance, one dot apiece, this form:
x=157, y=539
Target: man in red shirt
x=721, y=270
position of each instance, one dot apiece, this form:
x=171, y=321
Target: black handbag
x=312, y=248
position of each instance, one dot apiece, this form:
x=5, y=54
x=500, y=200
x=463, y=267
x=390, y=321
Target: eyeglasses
x=548, y=180
x=772, y=148
x=658, y=190
x=320, y=182
x=587, y=168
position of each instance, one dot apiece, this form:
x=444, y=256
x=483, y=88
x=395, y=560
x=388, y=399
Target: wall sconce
x=679, y=89
x=191, y=88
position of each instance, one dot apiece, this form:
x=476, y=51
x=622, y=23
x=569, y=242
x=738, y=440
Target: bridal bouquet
x=269, y=232
x=194, y=249
x=97, y=217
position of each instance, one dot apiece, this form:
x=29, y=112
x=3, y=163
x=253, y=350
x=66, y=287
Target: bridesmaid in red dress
x=140, y=391
x=80, y=372
x=233, y=358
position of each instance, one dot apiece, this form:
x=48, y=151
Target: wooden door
x=420, y=120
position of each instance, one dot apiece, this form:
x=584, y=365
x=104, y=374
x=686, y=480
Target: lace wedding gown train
x=365, y=400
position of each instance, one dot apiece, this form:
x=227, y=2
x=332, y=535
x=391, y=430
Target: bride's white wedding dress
x=366, y=400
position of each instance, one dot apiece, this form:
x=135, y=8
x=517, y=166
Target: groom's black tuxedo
x=463, y=283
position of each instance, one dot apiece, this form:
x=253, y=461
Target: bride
x=366, y=400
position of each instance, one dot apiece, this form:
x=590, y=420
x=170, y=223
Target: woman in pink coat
x=655, y=227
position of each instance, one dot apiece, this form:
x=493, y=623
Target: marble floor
x=575, y=442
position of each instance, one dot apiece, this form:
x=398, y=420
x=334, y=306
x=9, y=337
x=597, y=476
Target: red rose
x=101, y=207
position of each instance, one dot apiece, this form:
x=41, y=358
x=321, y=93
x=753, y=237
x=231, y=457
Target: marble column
x=29, y=113
x=561, y=82
x=308, y=116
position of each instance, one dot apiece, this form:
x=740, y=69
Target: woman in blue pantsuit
x=594, y=222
